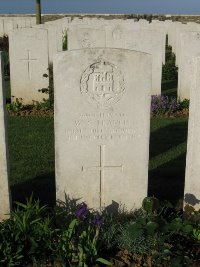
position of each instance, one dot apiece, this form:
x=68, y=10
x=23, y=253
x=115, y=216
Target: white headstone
x=161, y=29
x=8, y=25
x=141, y=40
x=102, y=124
x=192, y=184
x=1, y=27
x=182, y=29
x=54, y=39
x=28, y=51
x=189, y=49
x=4, y=186
x=85, y=37
x=126, y=36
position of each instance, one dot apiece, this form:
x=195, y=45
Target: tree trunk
x=38, y=12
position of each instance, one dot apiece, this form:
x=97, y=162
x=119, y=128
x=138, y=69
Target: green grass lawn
x=169, y=88
x=31, y=149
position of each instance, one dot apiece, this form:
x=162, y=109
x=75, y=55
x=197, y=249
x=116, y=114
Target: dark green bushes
x=169, y=70
x=33, y=236
x=76, y=236
x=157, y=233
x=4, y=46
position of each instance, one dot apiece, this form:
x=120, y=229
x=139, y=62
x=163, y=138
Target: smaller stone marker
x=189, y=49
x=28, y=51
x=54, y=39
x=1, y=27
x=85, y=37
x=192, y=183
x=4, y=186
x=102, y=124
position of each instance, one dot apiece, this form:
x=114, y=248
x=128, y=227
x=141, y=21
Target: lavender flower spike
x=82, y=211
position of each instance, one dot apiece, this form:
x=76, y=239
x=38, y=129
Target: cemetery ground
x=157, y=235
x=31, y=140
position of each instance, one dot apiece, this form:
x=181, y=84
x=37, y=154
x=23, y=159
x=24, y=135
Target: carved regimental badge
x=102, y=83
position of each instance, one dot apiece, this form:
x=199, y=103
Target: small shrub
x=64, y=41
x=32, y=236
x=169, y=69
x=16, y=105
x=27, y=237
x=184, y=104
x=47, y=103
x=4, y=46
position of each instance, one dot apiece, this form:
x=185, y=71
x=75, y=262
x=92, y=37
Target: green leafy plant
x=184, y=104
x=196, y=233
x=16, y=105
x=78, y=242
x=64, y=41
x=25, y=233
x=169, y=69
x=49, y=102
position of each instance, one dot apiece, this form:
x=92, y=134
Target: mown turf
x=168, y=143
x=31, y=149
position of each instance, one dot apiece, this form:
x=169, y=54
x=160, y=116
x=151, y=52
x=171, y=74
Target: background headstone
x=102, y=124
x=55, y=38
x=28, y=51
x=189, y=49
x=192, y=184
x=4, y=185
x=1, y=27
x=141, y=40
x=83, y=37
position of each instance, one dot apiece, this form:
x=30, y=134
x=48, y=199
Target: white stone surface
x=102, y=124
x=189, y=48
x=28, y=50
x=4, y=185
x=172, y=33
x=184, y=28
x=141, y=40
x=161, y=28
x=8, y=25
x=54, y=39
x=1, y=27
x=192, y=184
x=126, y=35
x=85, y=37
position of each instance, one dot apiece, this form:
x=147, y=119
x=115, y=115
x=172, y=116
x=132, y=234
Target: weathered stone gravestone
x=102, y=117
x=1, y=27
x=192, y=184
x=8, y=25
x=54, y=39
x=4, y=187
x=85, y=37
x=141, y=40
x=28, y=50
x=126, y=36
x=189, y=49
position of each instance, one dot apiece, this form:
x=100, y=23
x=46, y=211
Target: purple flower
x=98, y=220
x=82, y=211
x=161, y=104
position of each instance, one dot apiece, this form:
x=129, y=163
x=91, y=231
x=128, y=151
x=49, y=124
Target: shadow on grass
x=166, y=182
x=167, y=137
x=169, y=88
x=42, y=188
x=167, y=162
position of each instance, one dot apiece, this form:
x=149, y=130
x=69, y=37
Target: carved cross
x=29, y=60
x=101, y=168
